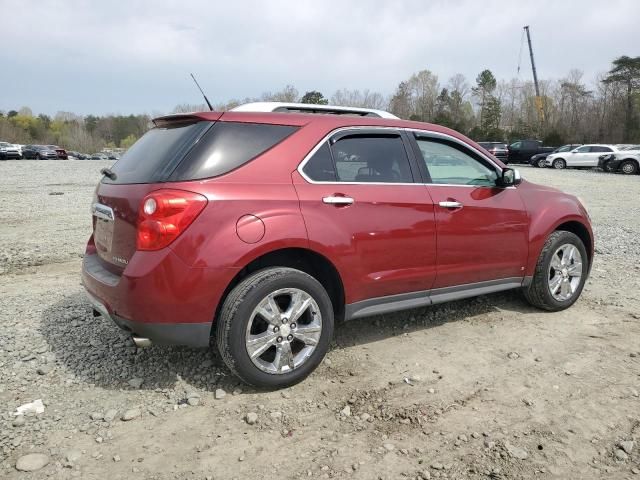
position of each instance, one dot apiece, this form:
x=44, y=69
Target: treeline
x=568, y=110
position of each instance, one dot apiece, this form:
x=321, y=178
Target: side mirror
x=510, y=177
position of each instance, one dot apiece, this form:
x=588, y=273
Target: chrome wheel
x=542, y=162
x=283, y=330
x=565, y=272
x=559, y=164
x=628, y=168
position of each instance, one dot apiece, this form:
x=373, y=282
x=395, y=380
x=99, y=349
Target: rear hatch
x=144, y=167
x=179, y=148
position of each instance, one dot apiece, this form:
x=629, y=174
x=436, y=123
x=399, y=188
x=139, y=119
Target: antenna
x=205, y=97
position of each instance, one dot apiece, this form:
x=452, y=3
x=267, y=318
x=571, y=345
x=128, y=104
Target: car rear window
x=152, y=158
x=195, y=150
x=227, y=146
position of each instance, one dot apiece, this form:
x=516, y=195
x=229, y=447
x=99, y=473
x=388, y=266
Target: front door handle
x=450, y=204
x=337, y=200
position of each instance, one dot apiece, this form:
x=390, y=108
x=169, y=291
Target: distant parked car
x=113, y=156
x=99, y=156
x=497, y=149
x=38, y=152
x=61, y=152
x=585, y=156
x=626, y=161
x=9, y=151
x=540, y=159
x=522, y=150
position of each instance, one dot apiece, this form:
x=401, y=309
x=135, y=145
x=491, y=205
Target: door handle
x=337, y=200
x=450, y=204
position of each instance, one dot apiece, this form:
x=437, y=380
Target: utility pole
x=535, y=76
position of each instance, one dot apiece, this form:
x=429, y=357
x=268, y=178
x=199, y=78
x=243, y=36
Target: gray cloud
x=135, y=56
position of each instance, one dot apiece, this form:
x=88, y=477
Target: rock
x=635, y=471
x=513, y=355
x=425, y=475
x=19, y=421
x=276, y=415
x=516, y=452
x=43, y=370
x=431, y=390
x=463, y=438
x=96, y=416
x=116, y=458
x=251, y=418
x=110, y=415
x=346, y=411
x=130, y=414
x=72, y=456
x=32, y=462
x=437, y=466
x=219, y=394
x=193, y=401
x=136, y=382
x=620, y=455
x=365, y=417
x=627, y=446
x=389, y=447
x=415, y=378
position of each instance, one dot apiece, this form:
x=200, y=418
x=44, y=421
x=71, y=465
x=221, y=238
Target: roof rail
x=311, y=108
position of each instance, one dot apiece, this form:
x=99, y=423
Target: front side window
x=516, y=145
x=371, y=158
x=449, y=163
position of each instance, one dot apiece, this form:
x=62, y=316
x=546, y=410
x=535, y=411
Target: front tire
x=559, y=164
x=275, y=327
x=542, y=163
x=560, y=273
x=629, y=167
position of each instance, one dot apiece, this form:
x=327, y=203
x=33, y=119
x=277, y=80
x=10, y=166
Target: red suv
x=261, y=229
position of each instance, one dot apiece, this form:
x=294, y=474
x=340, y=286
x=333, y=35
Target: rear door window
x=371, y=158
x=320, y=166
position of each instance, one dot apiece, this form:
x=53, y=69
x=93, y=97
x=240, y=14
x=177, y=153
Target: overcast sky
x=135, y=56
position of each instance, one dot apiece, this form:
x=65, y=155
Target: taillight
x=164, y=214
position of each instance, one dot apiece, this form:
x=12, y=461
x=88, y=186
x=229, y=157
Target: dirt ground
x=476, y=389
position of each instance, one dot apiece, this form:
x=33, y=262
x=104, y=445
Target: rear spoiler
x=181, y=118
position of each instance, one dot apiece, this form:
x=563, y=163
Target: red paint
x=393, y=239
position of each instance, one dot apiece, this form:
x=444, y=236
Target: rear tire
x=607, y=167
x=539, y=292
x=241, y=325
x=559, y=164
x=629, y=167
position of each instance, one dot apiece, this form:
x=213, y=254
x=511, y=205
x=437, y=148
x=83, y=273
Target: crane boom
x=535, y=75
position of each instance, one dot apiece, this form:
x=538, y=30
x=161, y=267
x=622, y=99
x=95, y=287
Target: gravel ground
x=477, y=389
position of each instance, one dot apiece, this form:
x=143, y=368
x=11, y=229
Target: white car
x=585, y=156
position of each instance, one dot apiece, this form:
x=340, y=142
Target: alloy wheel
x=628, y=168
x=565, y=272
x=283, y=330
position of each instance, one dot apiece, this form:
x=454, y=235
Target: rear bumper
x=188, y=334
x=157, y=296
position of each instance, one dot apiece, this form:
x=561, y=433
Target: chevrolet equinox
x=263, y=226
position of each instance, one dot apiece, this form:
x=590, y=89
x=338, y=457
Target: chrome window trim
x=444, y=136
x=342, y=129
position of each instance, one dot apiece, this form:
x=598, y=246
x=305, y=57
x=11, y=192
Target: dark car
x=61, y=152
x=261, y=229
x=38, y=152
x=497, y=149
x=539, y=159
x=522, y=150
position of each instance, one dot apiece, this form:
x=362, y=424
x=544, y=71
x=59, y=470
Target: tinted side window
x=516, y=145
x=448, y=162
x=371, y=158
x=227, y=146
x=320, y=167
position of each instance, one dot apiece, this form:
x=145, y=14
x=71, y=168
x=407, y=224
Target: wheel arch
x=582, y=232
x=303, y=259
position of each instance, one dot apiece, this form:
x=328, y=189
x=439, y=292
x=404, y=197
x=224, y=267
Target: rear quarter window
x=227, y=146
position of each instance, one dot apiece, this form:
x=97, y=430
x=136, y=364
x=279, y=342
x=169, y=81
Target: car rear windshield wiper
x=108, y=173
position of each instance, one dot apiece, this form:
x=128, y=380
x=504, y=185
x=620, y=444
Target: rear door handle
x=337, y=200
x=450, y=204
